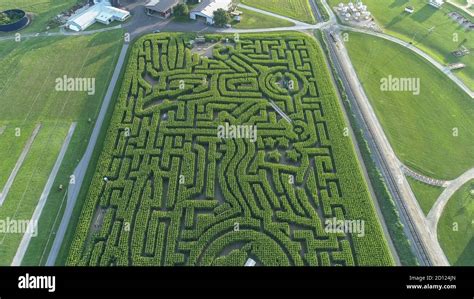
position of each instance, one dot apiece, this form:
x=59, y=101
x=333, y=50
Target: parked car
x=156, y=31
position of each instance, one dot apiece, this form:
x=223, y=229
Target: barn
x=205, y=10
x=161, y=8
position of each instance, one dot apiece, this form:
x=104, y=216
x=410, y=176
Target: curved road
x=437, y=210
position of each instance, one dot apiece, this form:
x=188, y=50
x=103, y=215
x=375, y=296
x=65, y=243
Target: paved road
x=80, y=171
x=25, y=241
x=437, y=210
x=19, y=162
x=423, y=178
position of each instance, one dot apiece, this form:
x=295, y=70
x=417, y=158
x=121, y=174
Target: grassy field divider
x=19, y=163
x=25, y=241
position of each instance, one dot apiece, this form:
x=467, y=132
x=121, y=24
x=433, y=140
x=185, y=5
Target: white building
x=436, y=3
x=205, y=10
x=102, y=11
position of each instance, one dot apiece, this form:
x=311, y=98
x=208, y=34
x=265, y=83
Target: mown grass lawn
x=29, y=183
x=12, y=143
x=425, y=194
x=41, y=11
x=430, y=29
x=28, y=74
x=430, y=132
x=458, y=245
x=296, y=9
x=252, y=19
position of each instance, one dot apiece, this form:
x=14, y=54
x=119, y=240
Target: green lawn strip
x=29, y=183
x=430, y=132
x=251, y=19
x=425, y=194
x=38, y=249
x=11, y=146
x=69, y=236
x=42, y=12
x=296, y=9
x=105, y=47
x=387, y=205
x=458, y=245
x=445, y=36
x=461, y=2
x=35, y=65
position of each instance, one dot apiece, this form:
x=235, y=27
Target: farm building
x=205, y=10
x=101, y=11
x=162, y=8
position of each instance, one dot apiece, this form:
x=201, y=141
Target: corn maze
x=168, y=190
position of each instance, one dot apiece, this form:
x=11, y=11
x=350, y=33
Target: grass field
x=11, y=146
x=252, y=19
x=458, y=245
x=445, y=35
x=296, y=9
x=29, y=183
x=28, y=96
x=179, y=201
x=42, y=11
x=425, y=194
x=421, y=128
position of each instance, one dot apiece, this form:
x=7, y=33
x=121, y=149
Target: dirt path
x=19, y=162
x=25, y=241
x=437, y=210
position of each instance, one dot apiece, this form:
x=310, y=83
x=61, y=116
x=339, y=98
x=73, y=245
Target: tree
x=221, y=17
x=181, y=9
